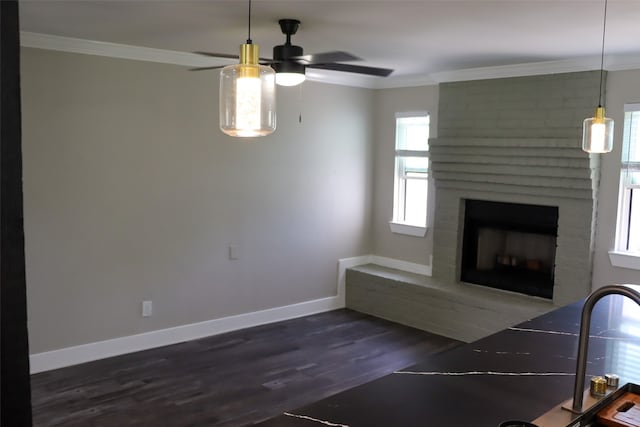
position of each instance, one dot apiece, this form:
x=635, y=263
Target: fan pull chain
x=300, y=102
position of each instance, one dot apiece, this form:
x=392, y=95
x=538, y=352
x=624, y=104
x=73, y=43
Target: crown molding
x=405, y=81
x=622, y=62
x=612, y=63
x=115, y=50
x=340, y=78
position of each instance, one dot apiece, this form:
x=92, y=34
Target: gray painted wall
x=132, y=193
x=622, y=88
x=387, y=103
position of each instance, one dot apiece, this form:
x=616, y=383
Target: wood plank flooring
x=234, y=379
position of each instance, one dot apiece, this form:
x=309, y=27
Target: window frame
x=397, y=224
x=621, y=256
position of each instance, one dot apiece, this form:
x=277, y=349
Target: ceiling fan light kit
x=597, y=131
x=289, y=73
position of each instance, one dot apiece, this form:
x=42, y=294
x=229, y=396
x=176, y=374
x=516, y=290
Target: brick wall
x=518, y=140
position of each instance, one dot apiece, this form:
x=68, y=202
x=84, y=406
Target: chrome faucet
x=583, y=341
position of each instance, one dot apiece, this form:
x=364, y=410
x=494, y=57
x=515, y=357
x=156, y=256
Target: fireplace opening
x=510, y=246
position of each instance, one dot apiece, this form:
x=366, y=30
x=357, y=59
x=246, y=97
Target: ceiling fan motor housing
x=288, y=67
x=284, y=52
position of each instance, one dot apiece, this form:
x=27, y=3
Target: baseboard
x=55, y=359
x=83, y=353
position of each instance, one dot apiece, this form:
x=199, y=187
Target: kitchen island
x=518, y=373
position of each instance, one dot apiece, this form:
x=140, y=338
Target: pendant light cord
x=249, y=26
x=604, y=30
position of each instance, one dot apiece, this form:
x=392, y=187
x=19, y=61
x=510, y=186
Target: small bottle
x=598, y=387
x=612, y=380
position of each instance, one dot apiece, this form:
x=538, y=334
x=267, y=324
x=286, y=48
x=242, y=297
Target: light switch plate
x=147, y=308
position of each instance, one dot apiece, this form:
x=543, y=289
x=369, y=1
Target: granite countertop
x=518, y=373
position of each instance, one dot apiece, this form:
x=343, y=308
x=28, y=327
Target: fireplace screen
x=510, y=246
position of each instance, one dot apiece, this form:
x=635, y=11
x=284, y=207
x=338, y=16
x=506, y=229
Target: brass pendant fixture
x=597, y=131
x=248, y=94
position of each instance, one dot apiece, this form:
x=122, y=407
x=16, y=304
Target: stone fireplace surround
x=518, y=140
x=513, y=140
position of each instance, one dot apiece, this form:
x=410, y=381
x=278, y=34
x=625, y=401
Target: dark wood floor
x=234, y=379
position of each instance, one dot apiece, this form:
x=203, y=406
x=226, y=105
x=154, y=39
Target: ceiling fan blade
x=226, y=55
x=359, y=69
x=206, y=68
x=218, y=55
x=325, y=57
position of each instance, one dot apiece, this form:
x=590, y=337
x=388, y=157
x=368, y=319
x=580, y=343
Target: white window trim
x=631, y=107
x=401, y=227
x=625, y=259
x=618, y=257
x=404, y=114
x=409, y=230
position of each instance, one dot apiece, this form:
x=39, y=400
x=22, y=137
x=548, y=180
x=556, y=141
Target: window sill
x=409, y=230
x=625, y=259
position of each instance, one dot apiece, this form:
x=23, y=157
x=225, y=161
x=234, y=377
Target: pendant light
x=248, y=94
x=597, y=131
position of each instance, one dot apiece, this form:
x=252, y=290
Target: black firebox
x=510, y=246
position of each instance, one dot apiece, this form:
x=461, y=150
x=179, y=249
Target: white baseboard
x=83, y=353
x=114, y=347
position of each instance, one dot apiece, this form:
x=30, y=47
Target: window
x=628, y=235
x=411, y=183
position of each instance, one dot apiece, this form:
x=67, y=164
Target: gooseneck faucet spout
x=583, y=340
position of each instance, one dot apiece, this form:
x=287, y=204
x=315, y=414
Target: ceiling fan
x=290, y=63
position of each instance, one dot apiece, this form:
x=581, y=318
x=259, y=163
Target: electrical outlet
x=147, y=308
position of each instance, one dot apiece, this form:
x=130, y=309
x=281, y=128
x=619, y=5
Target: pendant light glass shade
x=597, y=133
x=248, y=96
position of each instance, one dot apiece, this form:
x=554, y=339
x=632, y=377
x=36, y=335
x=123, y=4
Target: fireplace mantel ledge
x=629, y=260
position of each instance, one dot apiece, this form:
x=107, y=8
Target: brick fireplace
x=515, y=141
x=518, y=140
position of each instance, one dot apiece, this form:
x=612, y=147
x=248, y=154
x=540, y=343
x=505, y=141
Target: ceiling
x=423, y=41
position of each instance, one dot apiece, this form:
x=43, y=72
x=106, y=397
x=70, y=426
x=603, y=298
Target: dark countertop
x=518, y=373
